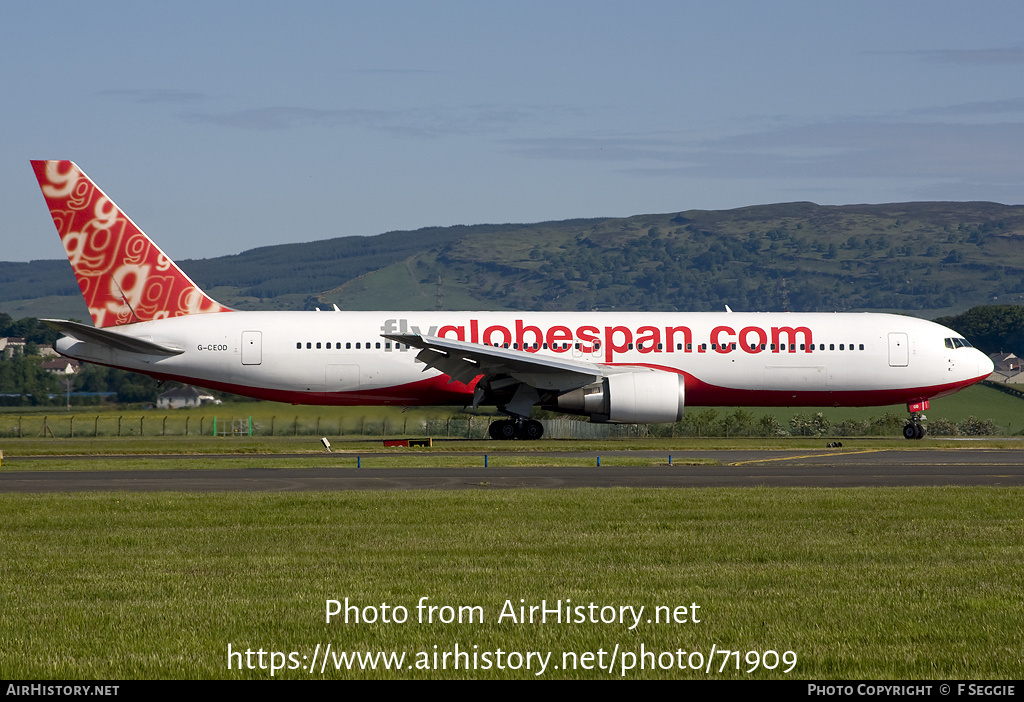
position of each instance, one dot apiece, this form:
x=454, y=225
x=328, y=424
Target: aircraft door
x=252, y=348
x=899, y=349
x=342, y=377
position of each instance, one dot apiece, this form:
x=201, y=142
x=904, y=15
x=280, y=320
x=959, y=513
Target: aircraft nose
x=985, y=365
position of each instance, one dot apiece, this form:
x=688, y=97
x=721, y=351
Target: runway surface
x=825, y=468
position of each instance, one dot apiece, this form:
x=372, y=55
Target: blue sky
x=222, y=126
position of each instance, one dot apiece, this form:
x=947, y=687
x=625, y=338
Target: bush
x=802, y=425
x=943, y=427
x=972, y=426
x=852, y=427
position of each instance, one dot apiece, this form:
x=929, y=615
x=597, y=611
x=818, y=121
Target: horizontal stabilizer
x=115, y=340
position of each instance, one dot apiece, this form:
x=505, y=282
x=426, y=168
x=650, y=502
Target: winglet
x=123, y=275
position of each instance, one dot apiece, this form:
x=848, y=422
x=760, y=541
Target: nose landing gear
x=914, y=429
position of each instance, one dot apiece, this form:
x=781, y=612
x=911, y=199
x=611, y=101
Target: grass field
x=857, y=583
x=872, y=583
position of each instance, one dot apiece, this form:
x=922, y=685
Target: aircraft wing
x=116, y=340
x=464, y=361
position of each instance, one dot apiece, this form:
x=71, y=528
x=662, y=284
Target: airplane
x=620, y=367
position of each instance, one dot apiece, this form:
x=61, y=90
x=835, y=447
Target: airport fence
x=703, y=423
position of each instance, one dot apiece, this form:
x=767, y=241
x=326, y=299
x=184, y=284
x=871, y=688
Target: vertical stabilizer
x=123, y=275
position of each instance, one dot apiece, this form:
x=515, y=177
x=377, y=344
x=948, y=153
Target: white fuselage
x=768, y=359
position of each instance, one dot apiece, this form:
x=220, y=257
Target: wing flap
x=464, y=361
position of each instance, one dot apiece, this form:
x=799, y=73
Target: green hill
x=926, y=258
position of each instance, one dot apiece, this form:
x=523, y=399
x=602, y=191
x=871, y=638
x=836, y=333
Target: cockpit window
x=957, y=343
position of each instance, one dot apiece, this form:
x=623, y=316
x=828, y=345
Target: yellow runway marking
x=810, y=455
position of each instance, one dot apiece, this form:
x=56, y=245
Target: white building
x=185, y=396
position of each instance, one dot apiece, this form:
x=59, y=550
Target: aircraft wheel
x=914, y=431
x=502, y=430
x=531, y=430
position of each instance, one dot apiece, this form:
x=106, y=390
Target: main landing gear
x=518, y=428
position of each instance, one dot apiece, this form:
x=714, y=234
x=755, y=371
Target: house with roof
x=1008, y=368
x=184, y=396
x=61, y=366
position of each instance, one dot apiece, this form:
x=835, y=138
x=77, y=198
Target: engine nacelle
x=634, y=397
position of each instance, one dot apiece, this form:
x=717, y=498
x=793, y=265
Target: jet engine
x=634, y=397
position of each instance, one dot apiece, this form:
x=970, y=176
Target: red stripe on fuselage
x=438, y=390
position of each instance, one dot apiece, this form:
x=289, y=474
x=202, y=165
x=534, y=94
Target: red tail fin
x=123, y=275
